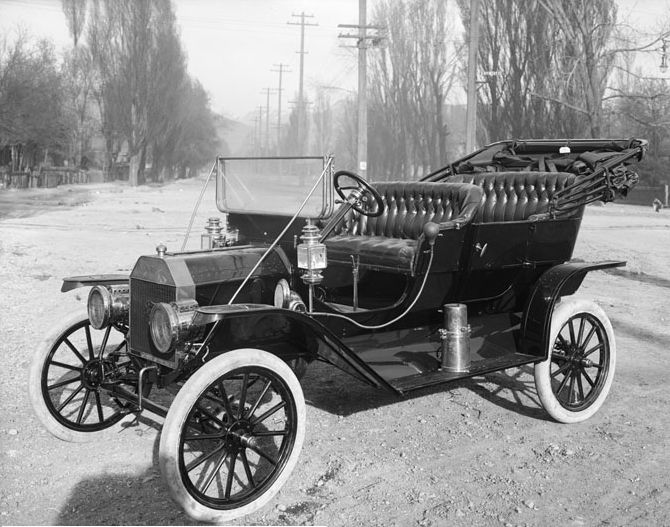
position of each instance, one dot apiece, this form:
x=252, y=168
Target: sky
x=232, y=45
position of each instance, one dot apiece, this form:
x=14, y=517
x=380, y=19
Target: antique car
x=403, y=285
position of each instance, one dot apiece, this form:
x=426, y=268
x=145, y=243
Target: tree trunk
x=133, y=169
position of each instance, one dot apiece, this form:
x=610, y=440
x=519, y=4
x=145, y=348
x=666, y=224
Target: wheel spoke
x=564, y=342
x=63, y=365
x=203, y=437
x=89, y=342
x=572, y=331
x=199, y=461
x=63, y=383
x=104, y=341
x=587, y=377
x=258, y=401
x=231, y=474
x=83, y=406
x=247, y=468
x=267, y=414
x=69, y=399
x=271, y=433
x=211, y=416
x=99, y=407
x=243, y=394
x=580, y=333
x=206, y=484
x=563, y=384
x=75, y=351
x=225, y=400
x=598, y=346
x=580, y=386
x=561, y=369
x=583, y=343
x=571, y=389
x=263, y=454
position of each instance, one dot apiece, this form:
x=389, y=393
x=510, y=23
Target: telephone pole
x=364, y=41
x=302, y=52
x=281, y=70
x=258, y=129
x=267, y=92
x=473, y=46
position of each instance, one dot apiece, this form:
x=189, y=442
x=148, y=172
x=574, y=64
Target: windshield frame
x=324, y=190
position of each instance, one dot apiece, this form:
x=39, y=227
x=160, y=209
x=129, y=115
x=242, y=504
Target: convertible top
x=578, y=156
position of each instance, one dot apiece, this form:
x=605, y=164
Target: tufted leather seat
x=514, y=196
x=390, y=241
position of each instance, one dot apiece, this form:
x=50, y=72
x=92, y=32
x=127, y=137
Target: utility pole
x=473, y=47
x=302, y=52
x=267, y=92
x=282, y=69
x=362, y=38
x=258, y=127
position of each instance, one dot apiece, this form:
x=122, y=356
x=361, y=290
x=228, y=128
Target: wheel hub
x=95, y=373
x=238, y=435
x=92, y=374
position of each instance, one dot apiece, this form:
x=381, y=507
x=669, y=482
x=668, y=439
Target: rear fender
x=74, y=282
x=285, y=333
x=561, y=280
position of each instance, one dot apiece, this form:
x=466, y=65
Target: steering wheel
x=361, y=185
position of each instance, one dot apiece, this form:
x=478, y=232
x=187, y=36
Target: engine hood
x=186, y=271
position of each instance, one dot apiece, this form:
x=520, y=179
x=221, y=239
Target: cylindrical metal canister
x=456, y=339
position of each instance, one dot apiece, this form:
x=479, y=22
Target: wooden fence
x=45, y=178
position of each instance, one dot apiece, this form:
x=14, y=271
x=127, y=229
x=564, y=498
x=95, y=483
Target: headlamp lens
x=99, y=304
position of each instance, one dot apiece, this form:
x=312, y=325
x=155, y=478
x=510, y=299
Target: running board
x=480, y=367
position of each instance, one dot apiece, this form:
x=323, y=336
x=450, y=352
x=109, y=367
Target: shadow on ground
x=120, y=499
x=337, y=393
x=123, y=499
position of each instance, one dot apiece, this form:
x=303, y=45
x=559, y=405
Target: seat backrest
x=515, y=196
x=409, y=206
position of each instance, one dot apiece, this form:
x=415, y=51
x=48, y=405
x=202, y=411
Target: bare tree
x=411, y=79
x=75, y=15
x=551, y=66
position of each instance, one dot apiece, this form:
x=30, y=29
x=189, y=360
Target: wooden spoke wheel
x=574, y=380
x=65, y=377
x=233, y=435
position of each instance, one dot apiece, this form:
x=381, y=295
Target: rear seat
x=515, y=196
x=389, y=242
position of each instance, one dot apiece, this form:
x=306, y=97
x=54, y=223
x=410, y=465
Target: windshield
x=274, y=186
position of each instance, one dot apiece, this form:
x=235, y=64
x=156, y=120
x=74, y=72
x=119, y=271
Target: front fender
x=561, y=280
x=284, y=333
x=74, y=282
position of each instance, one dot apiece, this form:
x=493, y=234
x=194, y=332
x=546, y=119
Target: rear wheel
x=576, y=377
x=65, y=376
x=232, y=435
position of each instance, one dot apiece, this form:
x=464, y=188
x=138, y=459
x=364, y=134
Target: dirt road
x=481, y=452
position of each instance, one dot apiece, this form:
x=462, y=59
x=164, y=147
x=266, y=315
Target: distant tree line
x=546, y=69
x=124, y=79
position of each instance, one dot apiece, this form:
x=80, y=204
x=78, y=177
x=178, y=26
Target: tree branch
x=562, y=103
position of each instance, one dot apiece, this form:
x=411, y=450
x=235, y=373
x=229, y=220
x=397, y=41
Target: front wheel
x=574, y=380
x=66, y=374
x=232, y=435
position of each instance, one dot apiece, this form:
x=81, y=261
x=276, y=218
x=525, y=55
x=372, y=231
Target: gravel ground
x=480, y=452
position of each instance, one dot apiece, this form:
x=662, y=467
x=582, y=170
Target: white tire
x=62, y=380
x=233, y=435
x=574, y=380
